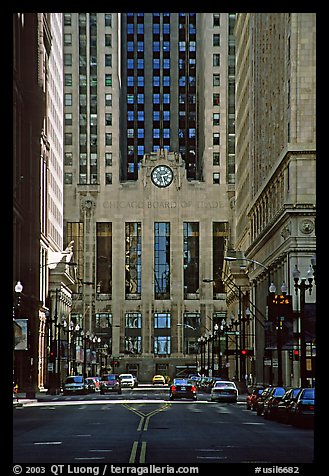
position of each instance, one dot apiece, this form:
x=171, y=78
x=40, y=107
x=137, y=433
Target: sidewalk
x=20, y=399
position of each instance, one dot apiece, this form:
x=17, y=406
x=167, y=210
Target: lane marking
x=143, y=452
x=48, y=443
x=133, y=452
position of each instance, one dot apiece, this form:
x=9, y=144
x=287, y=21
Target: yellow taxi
x=158, y=379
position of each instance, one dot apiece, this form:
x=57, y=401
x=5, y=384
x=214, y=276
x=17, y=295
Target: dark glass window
x=162, y=260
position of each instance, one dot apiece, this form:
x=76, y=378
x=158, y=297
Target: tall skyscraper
x=149, y=173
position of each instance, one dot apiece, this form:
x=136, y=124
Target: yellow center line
x=133, y=452
x=143, y=452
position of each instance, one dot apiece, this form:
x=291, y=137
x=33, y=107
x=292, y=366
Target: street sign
x=232, y=333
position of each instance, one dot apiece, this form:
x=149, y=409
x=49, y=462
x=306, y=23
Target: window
x=216, y=59
x=108, y=39
x=216, y=138
x=68, y=119
x=67, y=39
x=161, y=320
x=68, y=178
x=68, y=158
x=191, y=258
x=108, y=60
x=216, y=19
x=162, y=260
x=216, y=119
x=133, y=320
x=108, y=159
x=133, y=264
x=67, y=19
x=68, y=138
x=216, y=79
x=108, y=138
x=108, y=80
x=67, y=59
x=108, y=99
x=216, y=158
x=108, y=119
x=68, y=99
x=108, y=178
x=216, y=99
x=216, y=177
x=161, y=345
x=104, y=257
x=216, y=39
x=133, y=344
x=220, y=233
x=67, y=79
x=108, y=19
x=103, y=321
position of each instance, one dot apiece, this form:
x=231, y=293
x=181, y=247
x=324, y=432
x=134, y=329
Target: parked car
x=91, y=385
x=183, y=388
x=97, y=382
x=261, y=398
x=75, y=384
x=158, y=379
x=224, y=391
x=272, y=400
x=302, y=409
x=252, y=397
x=110, y=383
x=127, y=380
x=284, y=406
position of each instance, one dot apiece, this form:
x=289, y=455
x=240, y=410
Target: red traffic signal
x=296, y=354
x=244, y=352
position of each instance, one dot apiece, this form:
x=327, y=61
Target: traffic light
x=296, y=354
x=244, y=352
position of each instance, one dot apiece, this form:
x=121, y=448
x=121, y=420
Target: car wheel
x=259, y=412
x=119, y=392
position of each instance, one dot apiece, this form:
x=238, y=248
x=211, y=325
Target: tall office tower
x=148, y=179
x=275, y=169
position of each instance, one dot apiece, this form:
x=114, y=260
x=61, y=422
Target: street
x=143, y=426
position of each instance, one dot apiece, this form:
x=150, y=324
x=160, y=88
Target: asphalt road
x=142, y=426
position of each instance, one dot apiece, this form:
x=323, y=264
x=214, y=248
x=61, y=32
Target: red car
x=110, y=383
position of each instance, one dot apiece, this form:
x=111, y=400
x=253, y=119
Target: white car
x=224, y=391
x=127, y=380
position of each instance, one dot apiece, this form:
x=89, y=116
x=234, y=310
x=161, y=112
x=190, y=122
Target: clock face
x=162, y=176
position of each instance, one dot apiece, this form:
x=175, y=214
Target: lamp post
x=233, y=258
x=302, y=286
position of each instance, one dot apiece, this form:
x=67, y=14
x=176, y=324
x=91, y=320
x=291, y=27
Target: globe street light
x=302, y=287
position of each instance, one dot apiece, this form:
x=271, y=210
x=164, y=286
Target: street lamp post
x=302, y=286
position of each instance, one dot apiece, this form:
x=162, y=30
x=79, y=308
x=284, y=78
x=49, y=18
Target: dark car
x=110, y=383
x=75, y=384
x=261, y=398
x=182, y=388
x=284, y=405
x=302, y=409
x=272, y=400
x=251, y=400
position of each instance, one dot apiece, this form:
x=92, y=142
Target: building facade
x=146, y=184
x=275, y=202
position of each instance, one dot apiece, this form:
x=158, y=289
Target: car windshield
x=74, y=379
x=110, y=377
x=224, y=384
x=180, y=381
x=126, y=376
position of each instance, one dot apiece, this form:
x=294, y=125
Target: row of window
x=82, y=19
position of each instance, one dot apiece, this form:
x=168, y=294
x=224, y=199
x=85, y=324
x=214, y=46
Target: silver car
x=75, y=384
x=224, y=391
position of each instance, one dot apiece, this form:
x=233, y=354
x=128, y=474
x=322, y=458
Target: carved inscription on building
x=124, y=204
